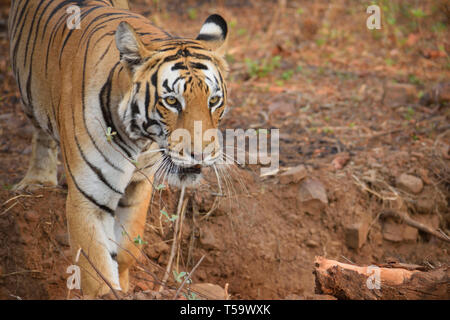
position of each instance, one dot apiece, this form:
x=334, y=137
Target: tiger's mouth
x=181, y=175
x=196, y=169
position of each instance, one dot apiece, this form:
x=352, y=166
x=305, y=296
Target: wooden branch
x=188, y=277
x=181, y=207
x=100, y=274
x=413, y=223
x=350, y=282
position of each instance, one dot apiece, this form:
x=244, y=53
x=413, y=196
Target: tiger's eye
x=171, y=100
x=214, y=100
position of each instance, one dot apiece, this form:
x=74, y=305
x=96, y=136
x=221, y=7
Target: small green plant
x=321, y=41
x=160, y=187
x=389, y=61
x=171, y=218
x=110, y=134
x=192, y=13
x=409, y=113
x=418, y=13
x=300, y=11
x=179, y=277
x=439, y=27
x=138, y=240
x=259, y=69
x=327, y=130
x=286, y=75
x=241, y=31
x=414, y=80
x=191, y=296
x=230, y=58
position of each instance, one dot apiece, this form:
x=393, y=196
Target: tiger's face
x=177, y=98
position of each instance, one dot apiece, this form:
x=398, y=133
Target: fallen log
x=350, y=282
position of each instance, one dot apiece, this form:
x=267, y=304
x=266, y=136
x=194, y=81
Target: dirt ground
x=363, y=117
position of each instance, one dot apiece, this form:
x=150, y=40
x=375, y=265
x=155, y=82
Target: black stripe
x=179, y=66
x=83, y=93
x=95, y=169
x=198, y=65
x=87, y=196
x=105, y=104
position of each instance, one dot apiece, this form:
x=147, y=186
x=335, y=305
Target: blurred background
x=364, y=127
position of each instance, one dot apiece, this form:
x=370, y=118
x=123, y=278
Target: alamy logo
x=74, y=19
x=374, y=280
x=374, y=20
x=74, y=280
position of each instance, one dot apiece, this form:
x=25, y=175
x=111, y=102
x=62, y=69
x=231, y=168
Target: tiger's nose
x=197, y=156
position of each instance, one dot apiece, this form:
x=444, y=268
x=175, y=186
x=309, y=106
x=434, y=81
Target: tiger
x=110, y=95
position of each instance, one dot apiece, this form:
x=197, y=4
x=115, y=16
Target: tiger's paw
x=33, y=184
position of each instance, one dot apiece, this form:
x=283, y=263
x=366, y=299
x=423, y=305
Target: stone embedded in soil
x=157, y=249
x=293, y=175
x=425, y=205
x=31, y=216
x=395, y=232
x=398, y=94
x=356, y=234
x=312, y=189
x=410, y=183
x=141, y=286
x=312, y=244
x=208, y=240
x=439, y=94
x=279, y=109
x=340, y=160
x=209, y=291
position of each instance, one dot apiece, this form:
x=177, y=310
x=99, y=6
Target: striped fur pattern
x=111, y=96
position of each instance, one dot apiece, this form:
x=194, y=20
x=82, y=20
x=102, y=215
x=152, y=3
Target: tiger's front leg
x=131, y=215
x=92, y=229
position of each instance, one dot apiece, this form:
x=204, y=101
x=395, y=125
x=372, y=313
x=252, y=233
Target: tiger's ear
x=214, y=33
x=132, y=50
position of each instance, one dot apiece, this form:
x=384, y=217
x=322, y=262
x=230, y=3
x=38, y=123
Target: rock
x=312, y=189
x=439, y=94
x=410, y=183
x=392, y=231
x=410, y=233
x=398, y=94
x=141, y=296
x=395, y=232
x=155, y=250
x=312, y=244
x=356, y=234
x=208, y=240
x=209, y=291
x=340, y=160
x=31, y=216
x=141, y=286
x=293, y=175
x=425, y=205
x=63, y=239
x=281, y=108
